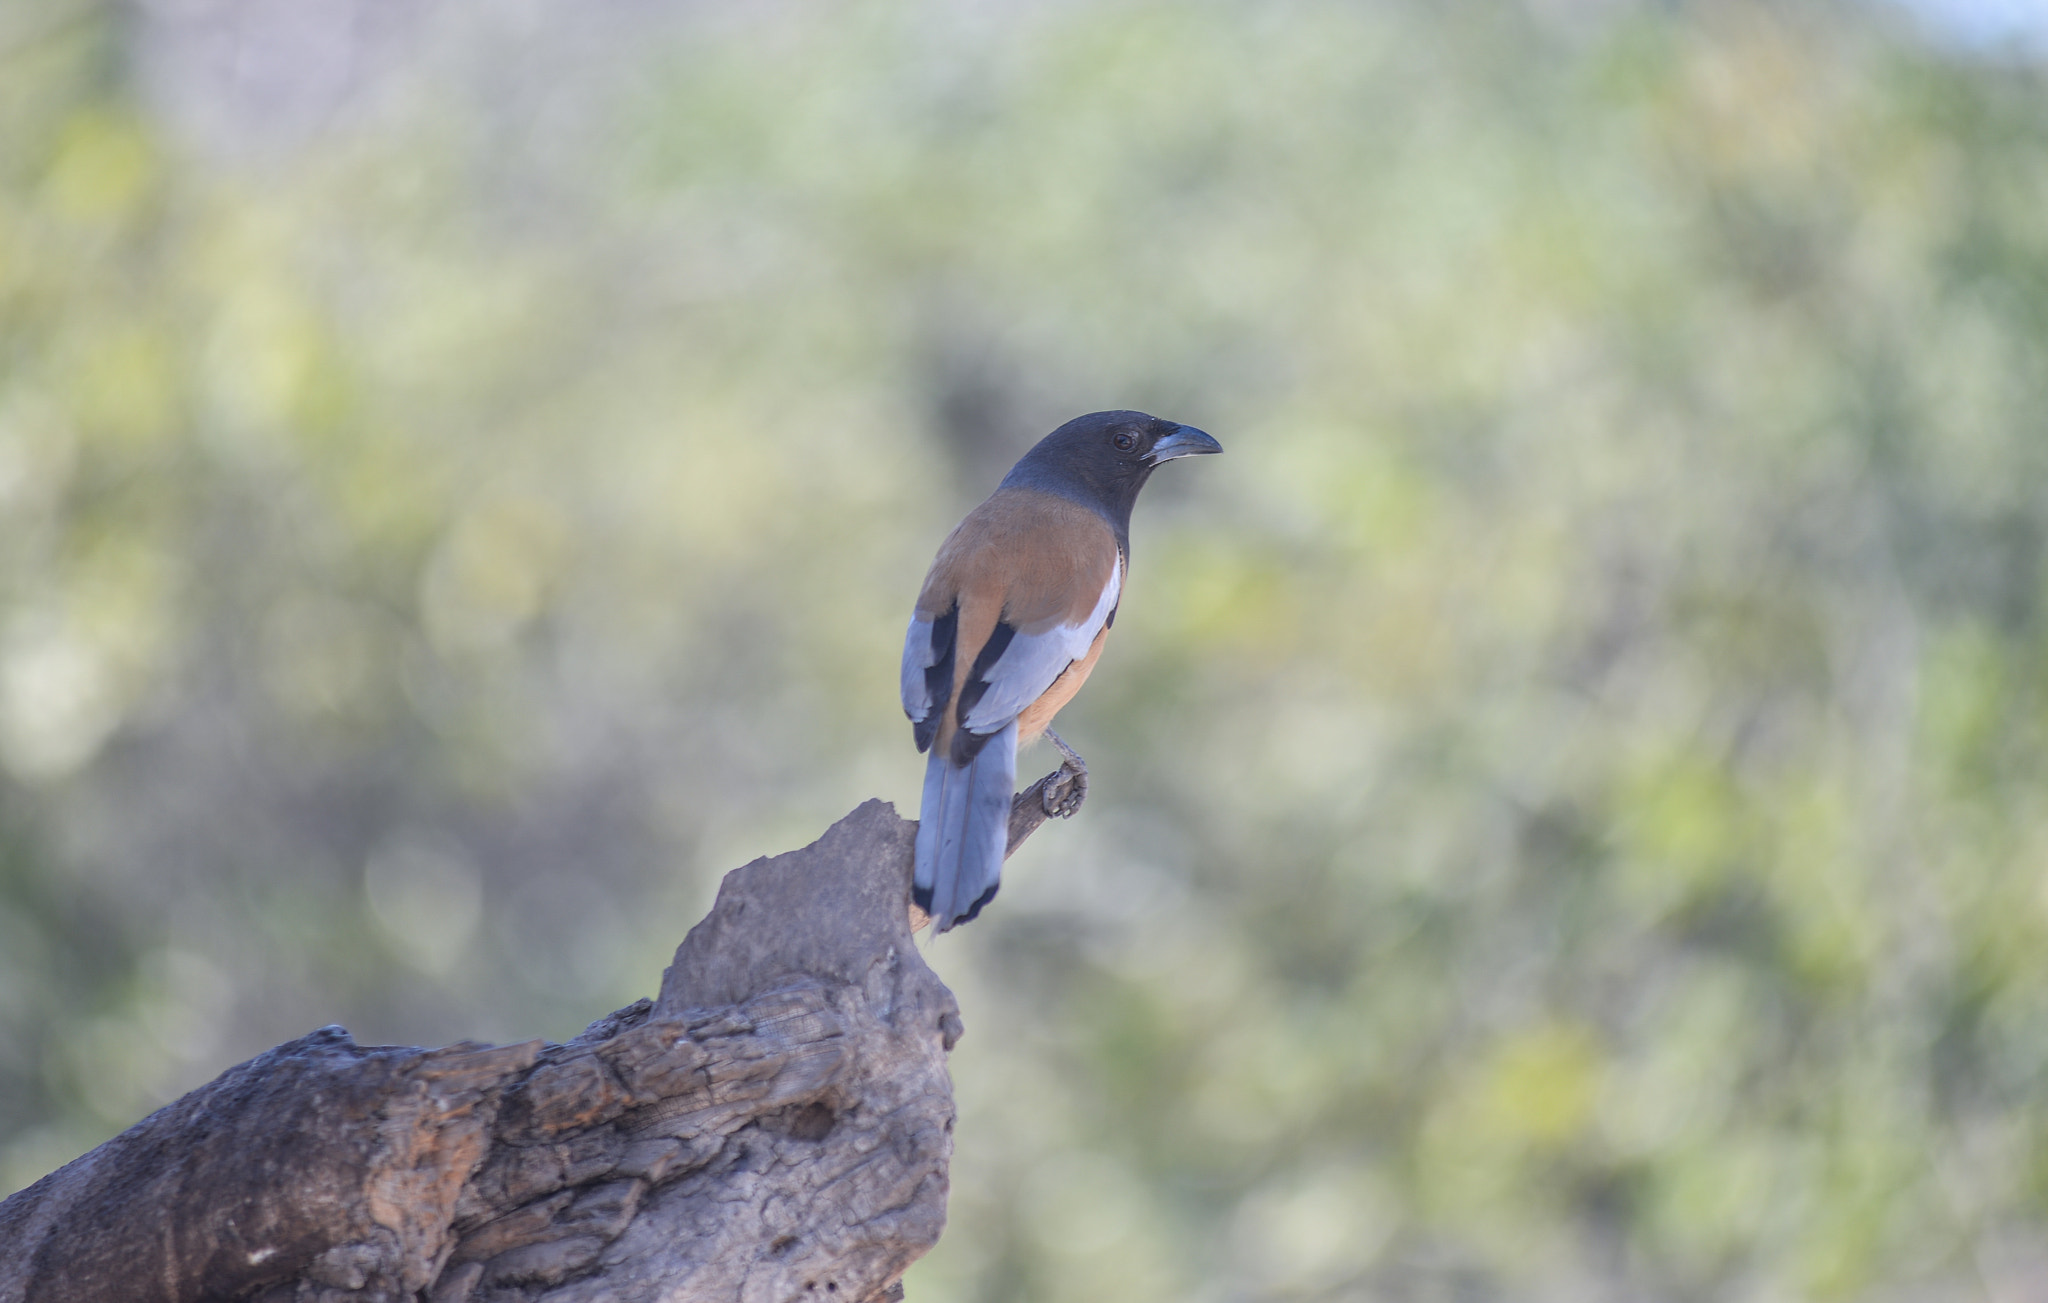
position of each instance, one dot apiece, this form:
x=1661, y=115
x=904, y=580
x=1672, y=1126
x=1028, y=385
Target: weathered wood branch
x=775, y=1125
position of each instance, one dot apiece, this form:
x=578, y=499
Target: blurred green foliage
x=1569, y=816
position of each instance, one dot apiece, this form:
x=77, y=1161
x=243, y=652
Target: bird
x=1008, y=625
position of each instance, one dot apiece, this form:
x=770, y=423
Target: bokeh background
x=1570, y=816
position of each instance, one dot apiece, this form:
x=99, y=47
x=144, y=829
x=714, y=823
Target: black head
x=1104, y=458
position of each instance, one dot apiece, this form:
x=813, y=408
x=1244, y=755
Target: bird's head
x=1104, y=458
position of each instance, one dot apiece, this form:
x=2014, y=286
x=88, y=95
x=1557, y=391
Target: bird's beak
x=1185, y=441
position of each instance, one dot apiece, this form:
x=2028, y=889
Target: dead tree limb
x=775, y=1125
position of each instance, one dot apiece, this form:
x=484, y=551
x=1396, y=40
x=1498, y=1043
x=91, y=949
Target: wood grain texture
x=777, y=1124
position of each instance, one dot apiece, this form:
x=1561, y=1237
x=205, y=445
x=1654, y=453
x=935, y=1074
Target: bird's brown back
x=1031, y=559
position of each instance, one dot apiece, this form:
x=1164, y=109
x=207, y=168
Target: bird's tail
x=963, y=829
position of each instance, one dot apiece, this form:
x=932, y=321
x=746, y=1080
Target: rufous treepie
x=1010, y=622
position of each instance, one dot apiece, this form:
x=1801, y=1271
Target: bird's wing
x=1018, y=592
x=1019, y=662
x=928, y=670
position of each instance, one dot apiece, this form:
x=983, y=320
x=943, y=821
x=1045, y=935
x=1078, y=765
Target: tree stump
x=775, y=1125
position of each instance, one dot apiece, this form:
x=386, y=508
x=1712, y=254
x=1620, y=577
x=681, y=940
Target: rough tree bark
x=775, y=1125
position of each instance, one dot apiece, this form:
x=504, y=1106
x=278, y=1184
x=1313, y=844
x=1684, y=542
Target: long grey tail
x=963, y=829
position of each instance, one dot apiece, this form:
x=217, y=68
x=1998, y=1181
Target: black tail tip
x=975, y=908
x=922, y=896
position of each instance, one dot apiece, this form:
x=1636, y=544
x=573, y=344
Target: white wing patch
x=917, y=658
x=1031, y=662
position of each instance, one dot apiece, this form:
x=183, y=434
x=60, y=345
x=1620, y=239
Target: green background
x=1568, y=818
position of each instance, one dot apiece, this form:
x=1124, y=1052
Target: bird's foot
x=1068, y=787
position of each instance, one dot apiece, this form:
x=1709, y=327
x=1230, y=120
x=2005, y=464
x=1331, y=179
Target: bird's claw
x=1063, y=796
x=1067, y=787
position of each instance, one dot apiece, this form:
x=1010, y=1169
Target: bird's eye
x=1125, y=442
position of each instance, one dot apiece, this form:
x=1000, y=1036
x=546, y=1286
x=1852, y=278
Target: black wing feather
x=967, y=745
x=938, y=677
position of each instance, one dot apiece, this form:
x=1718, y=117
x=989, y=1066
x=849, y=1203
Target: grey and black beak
x=1185, y=441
